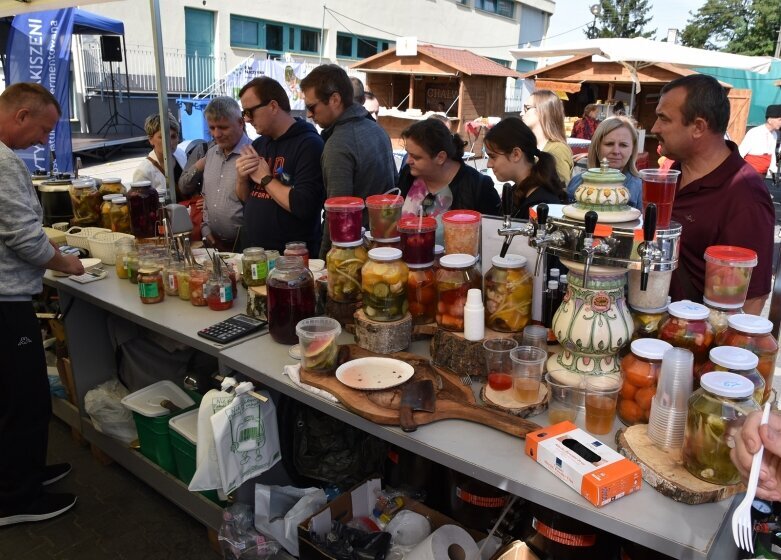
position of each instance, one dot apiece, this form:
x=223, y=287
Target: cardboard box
x=600, y=474
x=358, y=503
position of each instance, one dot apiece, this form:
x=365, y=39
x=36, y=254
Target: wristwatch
x=266, y=180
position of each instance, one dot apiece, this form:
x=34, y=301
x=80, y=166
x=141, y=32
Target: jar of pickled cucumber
x=150, y=285
x=736, y=360
x=254, y=266
x=384, y=285
x=105, y=210
x=344, y=263
x=458, y=274
x=119, y=215
x=422, y=293
x=508, y=294
x=647, y=321
x=712, y=423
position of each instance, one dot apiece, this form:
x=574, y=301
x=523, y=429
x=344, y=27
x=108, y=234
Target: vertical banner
x=38, y=51
x=288, y=74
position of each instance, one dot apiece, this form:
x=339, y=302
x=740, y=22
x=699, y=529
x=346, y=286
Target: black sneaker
x=45, y=507
x=53, y=473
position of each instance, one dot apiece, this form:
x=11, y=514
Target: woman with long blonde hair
x=543, y=113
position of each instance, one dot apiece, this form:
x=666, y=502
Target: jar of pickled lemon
x=508, y=294
x=384, y=285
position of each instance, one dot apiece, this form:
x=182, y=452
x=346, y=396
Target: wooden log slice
x=506, y=401
x=465, y=357
x=382, y=337
x=256, y=302
x=664, y=471
x=342, y=312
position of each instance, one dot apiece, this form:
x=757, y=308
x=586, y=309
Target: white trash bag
x=108, y=414
x=207, y=469
x=280, y=509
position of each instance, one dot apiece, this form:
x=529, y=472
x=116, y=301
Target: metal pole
x=778, y=44
x=162, y=96
x=322, y=36
x=127, y=86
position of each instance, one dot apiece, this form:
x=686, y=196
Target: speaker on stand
x=111, y=52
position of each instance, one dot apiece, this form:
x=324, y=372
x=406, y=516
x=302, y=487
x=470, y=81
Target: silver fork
x=742, y=528
x=466, y=379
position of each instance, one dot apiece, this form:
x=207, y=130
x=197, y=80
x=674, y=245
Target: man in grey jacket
x=357, y=158
x=28, y=113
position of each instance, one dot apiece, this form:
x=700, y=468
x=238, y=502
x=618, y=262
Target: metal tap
x=603, y=246
x=544, y=237
x=508, y=230
x=647, y=249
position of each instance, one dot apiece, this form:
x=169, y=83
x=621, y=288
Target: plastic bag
x=207, y=471
x=280, y=509
x=108, y=414
x=238, y=538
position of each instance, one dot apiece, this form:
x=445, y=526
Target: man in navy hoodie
x=279, y=177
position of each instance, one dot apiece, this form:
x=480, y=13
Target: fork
x=742, y=528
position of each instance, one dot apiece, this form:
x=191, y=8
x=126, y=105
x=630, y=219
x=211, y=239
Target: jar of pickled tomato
x=456, y=276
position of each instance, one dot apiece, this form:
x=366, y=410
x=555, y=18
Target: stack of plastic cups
x=669, y=406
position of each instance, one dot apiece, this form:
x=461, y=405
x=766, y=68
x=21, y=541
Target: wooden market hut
x=456, y=81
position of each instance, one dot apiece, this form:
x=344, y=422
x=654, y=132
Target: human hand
x=200, y=165
x=211, y=240
x=199, y=203
x=72, y=265
x=247, y=162
x=262, y=170
x=747, y=443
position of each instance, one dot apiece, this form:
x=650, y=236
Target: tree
x=621, y=18
x=738, y=26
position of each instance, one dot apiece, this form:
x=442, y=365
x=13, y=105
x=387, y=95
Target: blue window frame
x=353, y=46
x=505, y=8
x=275, y=37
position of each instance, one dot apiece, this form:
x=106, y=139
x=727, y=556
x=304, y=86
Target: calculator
x=232, y=329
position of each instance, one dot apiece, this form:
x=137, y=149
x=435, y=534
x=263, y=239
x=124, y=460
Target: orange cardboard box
x=599, y=473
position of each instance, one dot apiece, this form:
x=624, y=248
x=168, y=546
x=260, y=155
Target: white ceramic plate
x=86, y=263
x=373, y=373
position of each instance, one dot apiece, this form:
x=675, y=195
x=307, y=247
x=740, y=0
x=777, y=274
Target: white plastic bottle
x=474, y=316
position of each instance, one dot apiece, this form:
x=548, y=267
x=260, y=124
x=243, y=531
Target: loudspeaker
x=110, y=48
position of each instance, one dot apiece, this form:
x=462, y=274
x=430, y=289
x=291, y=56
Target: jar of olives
x=150, y=285
x=456, y=276
x=736, y=360
x=254, y=266
x=344, y=262
x=422, y=293
x=384, y=285
x=119, y=215
x=508, y=294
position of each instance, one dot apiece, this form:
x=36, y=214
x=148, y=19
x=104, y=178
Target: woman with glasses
x=615, y=140
x=436, y=179
x=513, y=155
x=543, y=112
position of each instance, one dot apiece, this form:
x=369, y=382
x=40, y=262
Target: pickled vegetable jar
x=119, y=215
x=384, y=214
x=344, y=263
x=86, y=202
x=417, y=239
x=736, y=360
x=111, y=185
x=150, y=285
x=198, y=278
x=105, y=210
x=508, y=294
x=297, y=249
x=144, y=206
x=384, y=284
x=291, y=298
x=122, y=248
x=132, y=266
x=727, y=275
x=254, y=266
x=271, y=257
x=456, y=276
x=640, y=373
x=688, y=327
x=219, y=293
x=345, y=218
x=462, y=232
x=719, y=318
x=183, y=279
x=439, y=252
x=171, y=278
x=422, y=293
x=648, y=321
x=753, y=333
x=712, y=425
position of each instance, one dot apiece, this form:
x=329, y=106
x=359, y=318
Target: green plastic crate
x=183, y=430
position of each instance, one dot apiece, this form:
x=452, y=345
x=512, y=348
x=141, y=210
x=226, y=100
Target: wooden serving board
x=664, y=471
x=453, y=399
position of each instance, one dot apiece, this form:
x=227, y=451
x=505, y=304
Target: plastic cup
x=528, y=363
x=666, y=426
x=317, y=339
x=727, y=275
x=659, y=186
x=498, y=365
x=417, y=239
x=676, y=379
x=535, y=335
x=61, y=226
x=601, y=401
x=384, y=215
x=345, y=218
x=462, y=232
x=563, y=401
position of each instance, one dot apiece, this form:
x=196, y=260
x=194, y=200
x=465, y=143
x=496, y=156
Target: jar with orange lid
x=735, y=360
x=640, y=372
x=462, y=232
x=384, y=285
x=456, y=276
x=422, y=293
x=753, y=333
x=150, y=285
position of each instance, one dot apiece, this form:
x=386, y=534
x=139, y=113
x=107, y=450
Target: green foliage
x=738, y=26
x=622, y=18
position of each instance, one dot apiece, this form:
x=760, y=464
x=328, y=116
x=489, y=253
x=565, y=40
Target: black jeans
x=25, y=406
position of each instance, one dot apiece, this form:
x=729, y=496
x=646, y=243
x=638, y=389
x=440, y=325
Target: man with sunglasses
x=279, y=178
x=357, y=158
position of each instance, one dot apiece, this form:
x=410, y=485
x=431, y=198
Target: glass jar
x=422, y=293
x=150, y=285
x=457, y=275
x=183, y=280
x=735, y=360
x=297, y=249
x=254, y=266
x=640, y=373
x=508, y=294
x=719, y=318
x=417, y=239
x=144, y=207
x=271, y=257
x=384, y=285
x=122, y=248
x=462, y=232
x=384, y=215
x=291, y=297
x=105, y=210
x=198, y=278
x=393, y=243
x=171, y=278
x=119, y=215
x=439, y=252
x=752, y=332
x=344, y=262
x=688, y=327
x=132, y=266
x=727, y=275
x=111, y=185
x=648, y=321
x=219, y=293
x=344, y=216
x=86, y=202
x=712, y=425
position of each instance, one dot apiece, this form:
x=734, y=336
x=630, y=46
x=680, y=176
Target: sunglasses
x=311, y=108
x=529, y=107
x=248, y=112
x=428, y=203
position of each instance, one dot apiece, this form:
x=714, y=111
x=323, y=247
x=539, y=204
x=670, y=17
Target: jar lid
x=650, y=348
x=118, y=200
x=733, y=357
x=603, y=175
x=731, y=256
x=420, y=265
x=385, y=254
x=253, y=251
x=457, y=260
x=509, y=261
x=367, y=235
x=462, y=217
x=686, y=309
x=344, y=203
x=138, y=184
x=149, y=270
x=385, y=200
x=416, y=223
x=752, y=324
x=112, y=180
x=111, y=196
x=439, y=249
x=347, y=243
x=82, y=183
x=727, y=384
x=387, y=239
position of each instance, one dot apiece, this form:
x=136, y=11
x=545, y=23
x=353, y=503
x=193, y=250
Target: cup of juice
x=563, y=401
x=659, y=186
x=498, y=365
x=417, y=239
x=727, y=275
x=345, y=218
x=601, y=401
x=528, y=364
x=384, y=215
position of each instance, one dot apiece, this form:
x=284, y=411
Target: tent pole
x=127, y=85
x=162, y=93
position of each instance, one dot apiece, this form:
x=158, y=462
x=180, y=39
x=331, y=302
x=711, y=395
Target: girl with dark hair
x=513, y=156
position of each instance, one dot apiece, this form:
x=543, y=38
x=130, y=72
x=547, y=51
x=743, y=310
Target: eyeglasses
x=249, y=111
x=428, y=203
x=529, y=107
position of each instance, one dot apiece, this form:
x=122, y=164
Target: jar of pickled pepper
x=508, y=294
x=384, y=285
x=218, y=292
x=422, y=293
x=150, y=285
x=456, y=276
x=344, y=262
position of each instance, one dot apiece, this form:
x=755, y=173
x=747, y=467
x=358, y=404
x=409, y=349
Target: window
x=352, y=46
x=310, y=41
x=275, y=37
x=505, y=63
x=366, y=49
x=244, y=32
x=504, y=8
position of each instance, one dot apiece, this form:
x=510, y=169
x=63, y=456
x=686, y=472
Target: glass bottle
x=736, y=360
x=86, y=202
x=422, y=293
x=150, y=285
x=344, y=262
x=753, y=333
x=508, y=294
x=640, y=372
x=456, y=276
x=254, y=266
x=291, y=297
x=688, y=327
x=297, y=249
x=119, y=215
x=144, y=207
x=384, y=284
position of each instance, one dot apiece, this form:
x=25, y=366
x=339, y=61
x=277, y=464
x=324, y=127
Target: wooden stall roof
x=435, y=61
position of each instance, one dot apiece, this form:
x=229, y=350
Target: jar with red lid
x=345, y=218
x=687, y=326
x=297, y=249
x=462, y=232
x=150, y=285
x=640, y=372
x=198, y=278
x=727, y=275
x=422, y=293
x=735, y=360
x=144, y=206
x=218, y=292
x=456, y=276
x=384, y=215
x=417, y=239
x=753, y=333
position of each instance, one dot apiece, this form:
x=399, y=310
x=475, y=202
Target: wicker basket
x=102, y=245
x=79, y=236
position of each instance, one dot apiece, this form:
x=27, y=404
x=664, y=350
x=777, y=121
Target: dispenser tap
x=544, y=236
x=590, y=220
x=646, y=249
x=508, y=230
